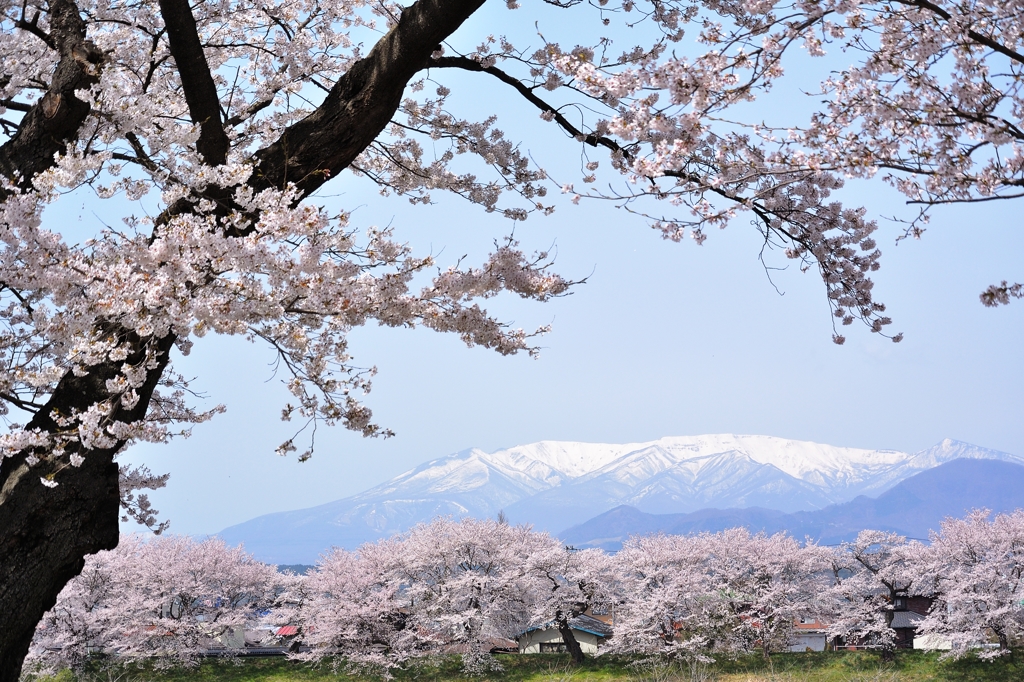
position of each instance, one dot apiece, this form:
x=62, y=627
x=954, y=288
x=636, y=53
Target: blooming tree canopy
x=666, y=605
x=975, y=567
x=351, y=605
x=567, y=583
x=460, y=586
x=688, y=596
x=231, y=114
x=870, y=573
x=451, y=586
x=171, y=598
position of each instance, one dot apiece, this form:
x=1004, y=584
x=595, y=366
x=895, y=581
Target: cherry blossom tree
x=351, y=606
x=465, y=580
x=870, y=574
x=446, y=585
x=976, y=568
x=231, y=115
x=690, y=596
x=666, y=604
x=567, y=583
x=769, y=582
x=131, y=99
x=171, y=598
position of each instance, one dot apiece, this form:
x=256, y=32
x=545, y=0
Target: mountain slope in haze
x=912, y=508
x=728, y=479
x=676, y=475
x=554, y=485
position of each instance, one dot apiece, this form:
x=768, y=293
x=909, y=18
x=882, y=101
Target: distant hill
x=555, y=485
x=912, y=507
x=297, y=569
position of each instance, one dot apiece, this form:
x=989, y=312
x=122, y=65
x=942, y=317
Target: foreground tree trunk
x=46, y=532
x=46, y=535
x=569, y=639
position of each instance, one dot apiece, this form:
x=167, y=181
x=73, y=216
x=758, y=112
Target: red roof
x=287, y=631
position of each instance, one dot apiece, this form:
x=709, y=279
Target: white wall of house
x=530, y=642
x=802, y=641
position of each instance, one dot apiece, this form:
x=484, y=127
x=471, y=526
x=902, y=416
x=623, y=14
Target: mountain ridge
x=559, y=484
x=912, y=507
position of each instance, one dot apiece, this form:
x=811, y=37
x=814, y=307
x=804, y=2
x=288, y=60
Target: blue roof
x=583, y=623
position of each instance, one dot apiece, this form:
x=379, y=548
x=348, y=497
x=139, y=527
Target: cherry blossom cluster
x=976, y=567
x=680, y=598
x=688, y=597
x=399, y=164
x=447, y=586
x=870, y=574
x=929, y=94
x=223, y=257
x=458, y=586
x=169, y=598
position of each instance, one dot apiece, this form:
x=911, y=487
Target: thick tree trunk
x=55, y=120
x=46, y=533
x=569, y=639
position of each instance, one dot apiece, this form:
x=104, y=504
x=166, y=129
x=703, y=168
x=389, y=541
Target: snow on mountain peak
x=812, y=462
x=555, y=484
x=569, y=458
x=837, y=471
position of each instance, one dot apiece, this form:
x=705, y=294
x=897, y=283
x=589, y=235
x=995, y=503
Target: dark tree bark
x=362, y=102
x=196, y=80
x=568, y=638
x=45, y=533
x=55, y=120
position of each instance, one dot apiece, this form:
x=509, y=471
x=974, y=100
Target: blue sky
x=663, y=339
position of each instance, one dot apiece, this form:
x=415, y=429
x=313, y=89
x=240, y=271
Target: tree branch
x=54, y=121
x=196, y=80
x=362, y=102
x=972, y=34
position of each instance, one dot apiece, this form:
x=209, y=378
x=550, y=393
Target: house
x=546, y=639
x=907, y=612
x=289, y=637
x=809, y=634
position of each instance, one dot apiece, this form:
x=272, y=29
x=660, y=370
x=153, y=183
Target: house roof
x=583, y=623
x=905, y=619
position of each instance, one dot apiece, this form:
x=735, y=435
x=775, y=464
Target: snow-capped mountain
x=555, y=485
x=912, y=508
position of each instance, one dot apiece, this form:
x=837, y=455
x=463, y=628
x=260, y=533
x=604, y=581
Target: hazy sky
x=663, y=339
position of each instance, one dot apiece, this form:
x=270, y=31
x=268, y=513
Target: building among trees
x=591, y=633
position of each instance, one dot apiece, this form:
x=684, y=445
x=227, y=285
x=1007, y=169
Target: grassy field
x=910, y=666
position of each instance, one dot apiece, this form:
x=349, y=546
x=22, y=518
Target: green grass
x=861, y=666
x=908, y=666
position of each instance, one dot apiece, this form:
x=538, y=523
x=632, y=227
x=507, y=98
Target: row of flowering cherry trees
x=457, y=585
